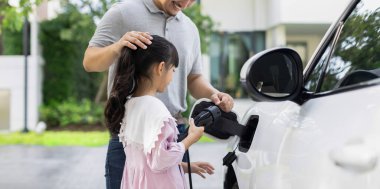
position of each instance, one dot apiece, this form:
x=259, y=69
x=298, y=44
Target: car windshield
x=356, y=56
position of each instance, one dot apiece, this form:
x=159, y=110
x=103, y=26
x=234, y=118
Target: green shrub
x=72, y=112
x=12, y=42
x=64, y=41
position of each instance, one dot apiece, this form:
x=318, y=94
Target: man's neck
x=158, y=4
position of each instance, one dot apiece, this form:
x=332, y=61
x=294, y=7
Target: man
x=118, y=29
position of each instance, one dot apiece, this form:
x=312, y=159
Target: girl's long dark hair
x=132, y=65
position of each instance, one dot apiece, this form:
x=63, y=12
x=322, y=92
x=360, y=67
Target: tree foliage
x=68, y=90
x=63, y=40
x=205, y=24
x=95, y=9
x=12, y=17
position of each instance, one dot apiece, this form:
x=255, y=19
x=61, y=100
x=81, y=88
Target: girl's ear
x=160, y=68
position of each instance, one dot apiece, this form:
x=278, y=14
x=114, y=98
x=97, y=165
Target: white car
x=317, y=128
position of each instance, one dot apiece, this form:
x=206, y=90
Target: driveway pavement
x=213, y=153
x=36, y=167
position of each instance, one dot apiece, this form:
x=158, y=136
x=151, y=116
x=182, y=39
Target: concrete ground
x=36, y=167
x=212, y=153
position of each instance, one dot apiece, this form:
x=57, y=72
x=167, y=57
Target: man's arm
x=200, y=88
x=99, y=59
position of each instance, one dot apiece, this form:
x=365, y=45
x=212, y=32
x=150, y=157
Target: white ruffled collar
x=143, y=120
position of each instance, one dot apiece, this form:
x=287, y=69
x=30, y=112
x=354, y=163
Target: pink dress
x=156, y=165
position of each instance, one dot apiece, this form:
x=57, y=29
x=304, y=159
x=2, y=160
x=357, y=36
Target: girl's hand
x=199, y=168
x=195, y=132
x=133, y=39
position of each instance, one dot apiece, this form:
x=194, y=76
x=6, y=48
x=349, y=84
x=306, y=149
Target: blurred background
x=47, y=99
x=45, y=41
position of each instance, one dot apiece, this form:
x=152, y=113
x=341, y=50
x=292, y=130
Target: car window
x=356, y=56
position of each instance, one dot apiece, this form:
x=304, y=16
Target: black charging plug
x=207, y=116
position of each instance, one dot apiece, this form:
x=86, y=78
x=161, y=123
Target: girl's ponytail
x=132, y=66
x=123, y=87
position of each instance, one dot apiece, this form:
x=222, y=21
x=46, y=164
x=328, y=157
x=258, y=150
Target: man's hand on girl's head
x=134, y=39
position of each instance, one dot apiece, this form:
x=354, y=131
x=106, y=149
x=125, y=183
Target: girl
x=146, y=128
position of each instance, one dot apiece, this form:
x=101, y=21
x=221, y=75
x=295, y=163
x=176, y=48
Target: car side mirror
x=273, y=75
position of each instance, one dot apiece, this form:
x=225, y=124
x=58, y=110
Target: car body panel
x=325, y=131
x=293, y=144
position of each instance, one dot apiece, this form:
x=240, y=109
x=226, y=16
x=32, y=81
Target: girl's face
x=166, y=78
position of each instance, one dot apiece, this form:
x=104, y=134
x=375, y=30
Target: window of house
x=228, y=53
x=301, y=48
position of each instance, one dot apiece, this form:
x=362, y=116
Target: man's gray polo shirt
x=143, y=15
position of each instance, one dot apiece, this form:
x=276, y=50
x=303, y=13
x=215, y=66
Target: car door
x=326, y=134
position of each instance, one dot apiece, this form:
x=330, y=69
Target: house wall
x=310, y=11
x=12, y=81
x=249, y=15
x=282, y=20
x=231, y=16
x=12, y=84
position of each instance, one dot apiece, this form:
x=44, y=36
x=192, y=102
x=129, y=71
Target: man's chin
x=173, y=13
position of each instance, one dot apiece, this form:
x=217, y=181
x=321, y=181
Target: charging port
x=247, y=137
